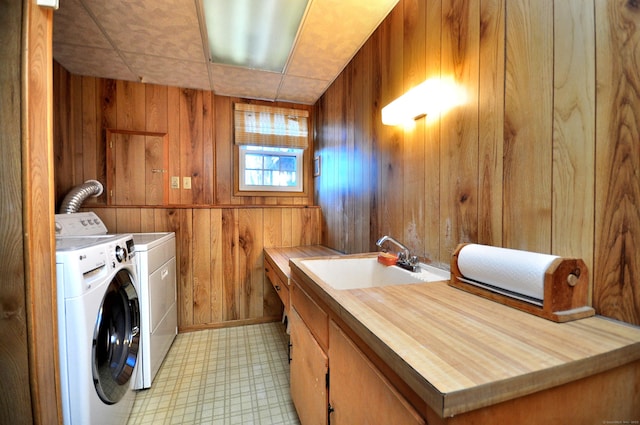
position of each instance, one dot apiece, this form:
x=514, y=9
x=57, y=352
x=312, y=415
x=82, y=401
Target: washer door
x=116, y=339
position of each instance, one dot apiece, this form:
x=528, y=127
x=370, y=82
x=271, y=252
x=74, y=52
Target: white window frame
x=248, y=149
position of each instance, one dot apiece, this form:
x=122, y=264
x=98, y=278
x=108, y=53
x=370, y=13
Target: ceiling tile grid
x=162, y=42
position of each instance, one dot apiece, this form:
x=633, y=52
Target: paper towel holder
x=566, y=290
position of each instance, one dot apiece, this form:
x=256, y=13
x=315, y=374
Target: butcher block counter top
x=460, y=352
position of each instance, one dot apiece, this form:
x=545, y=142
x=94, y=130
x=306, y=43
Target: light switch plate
x=53, y=4
x=186, y=182
x=175, y=182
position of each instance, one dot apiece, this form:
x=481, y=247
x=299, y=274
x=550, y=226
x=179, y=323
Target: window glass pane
x=288, y=163
x=253, y=161
x=283, y=178
x=271, y=162
x=268, y=178
x=253, y=177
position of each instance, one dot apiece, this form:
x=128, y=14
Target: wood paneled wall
x=29, y=373
x=198, y=123
x=543, y=156
x=219, y=256
x=219, y=236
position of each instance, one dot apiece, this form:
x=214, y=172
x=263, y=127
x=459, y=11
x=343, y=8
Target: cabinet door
x=358, y=392
x=137, y=165
x=309, y=365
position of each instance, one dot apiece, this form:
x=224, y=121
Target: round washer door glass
x=116, y=339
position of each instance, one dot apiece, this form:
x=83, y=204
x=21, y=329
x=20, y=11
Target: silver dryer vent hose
x=76, y=196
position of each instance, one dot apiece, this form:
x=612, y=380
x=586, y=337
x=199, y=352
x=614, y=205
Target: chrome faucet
x=405, y=259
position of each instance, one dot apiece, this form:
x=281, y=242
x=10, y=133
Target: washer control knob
x=121, y=254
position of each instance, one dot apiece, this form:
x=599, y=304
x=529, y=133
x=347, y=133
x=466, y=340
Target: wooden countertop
x=461, y=352
x=280, y=256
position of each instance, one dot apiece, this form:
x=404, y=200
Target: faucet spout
x=405, y=259
x=403, y=249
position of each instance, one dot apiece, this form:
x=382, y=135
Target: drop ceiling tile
x=301, y=90
x=81, y=60
x=242, y=82
x=73, y=25
x=153, y=27
x=334, y=30
x=159, y=70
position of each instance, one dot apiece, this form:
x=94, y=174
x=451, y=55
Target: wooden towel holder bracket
x=566, y=290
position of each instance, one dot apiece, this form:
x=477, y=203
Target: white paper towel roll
x=517, y=271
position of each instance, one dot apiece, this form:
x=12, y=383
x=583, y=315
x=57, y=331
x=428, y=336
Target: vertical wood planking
x=32, y=299
x=223, y=151
x=184, y=240
x=18, y=405
x=208, y=152
x=63, y=119
x=272, y=227
x=76, y=132
x=129, y=176
x=459, y=131
x=363, y=147
x=130, y=112
x=230, y=297
x=617, y=225
x=528, y=125
x=491, y=118
x=216, y=292
x=287, y=225
x=574, y=120
x=250, y=242
x=128, y=220
x=190, y=144
x=106, y=115
x=156, y=108
x=173, y=131
x=201, y=264
x=413, y=161
x=88, y=160
x=156, y=178
x=431, y=198
x=147, y=220
x=391, y=140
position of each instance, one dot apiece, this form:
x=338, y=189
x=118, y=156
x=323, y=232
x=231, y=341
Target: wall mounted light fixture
x=433, y=96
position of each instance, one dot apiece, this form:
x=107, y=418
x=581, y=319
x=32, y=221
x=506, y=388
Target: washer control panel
x=79, y=224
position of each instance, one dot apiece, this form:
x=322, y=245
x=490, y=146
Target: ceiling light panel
x=256, y=34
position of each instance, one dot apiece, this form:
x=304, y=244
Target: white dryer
x=99, y=328
x=156, y=257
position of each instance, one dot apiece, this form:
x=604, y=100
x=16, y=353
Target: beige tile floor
x=225, y=376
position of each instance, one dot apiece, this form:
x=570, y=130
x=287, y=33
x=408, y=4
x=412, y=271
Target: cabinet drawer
x=316, y=319
x=282, y=288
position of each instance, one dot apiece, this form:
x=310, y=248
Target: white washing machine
x=98, y=325
x=156, y=256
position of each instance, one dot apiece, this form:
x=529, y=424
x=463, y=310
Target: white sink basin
x=366, y=272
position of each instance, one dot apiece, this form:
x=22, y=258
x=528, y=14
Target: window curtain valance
x=270, y=126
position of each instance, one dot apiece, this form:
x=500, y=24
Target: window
x=270, y=169
x=270, y=144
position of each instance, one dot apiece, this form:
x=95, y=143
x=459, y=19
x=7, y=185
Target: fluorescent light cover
x=433, y=96
x=256, y=34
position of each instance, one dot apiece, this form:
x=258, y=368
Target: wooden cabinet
x=137, y=168
x=309, y=369
x=330, y=374
x=360, y=394
x=282, y=288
